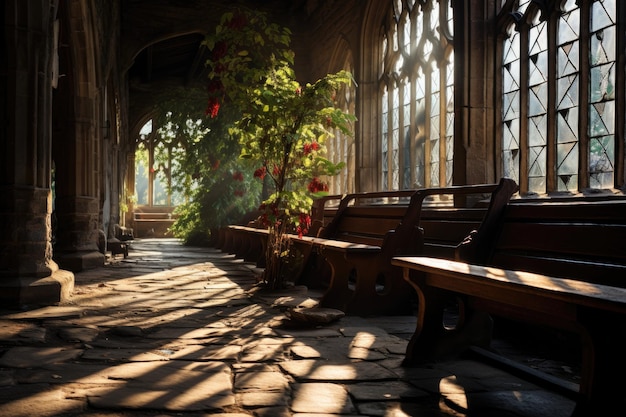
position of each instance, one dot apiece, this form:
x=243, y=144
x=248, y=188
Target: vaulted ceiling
x=161, y=40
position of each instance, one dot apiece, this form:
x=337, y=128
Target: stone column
x=76, y=145
x=474, y=86
x=28, y=275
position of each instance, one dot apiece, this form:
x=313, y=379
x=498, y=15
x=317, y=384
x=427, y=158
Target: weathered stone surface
x=316, y=315
x=30, y=357
x=305, y=352
x=389, y=390
x=78, y=334
x=122, y=355
x=168, y=386
x=256, y=399
x=321, y=398
x=261, y=381
x=179, y=350
x=316, y=370
x=16, y=332
x=208, y=353
x=39, y=400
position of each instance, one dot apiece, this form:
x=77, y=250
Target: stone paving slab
x=316, y=370
x=322, y=398
x=30, y=357
x=171, y=386
x=173, y=331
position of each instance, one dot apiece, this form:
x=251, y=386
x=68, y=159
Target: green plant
x=282, y=127
x=218, y=187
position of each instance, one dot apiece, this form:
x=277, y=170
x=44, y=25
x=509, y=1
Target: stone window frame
x=416, y=137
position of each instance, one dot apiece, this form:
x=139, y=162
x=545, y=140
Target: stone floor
x=174, y=331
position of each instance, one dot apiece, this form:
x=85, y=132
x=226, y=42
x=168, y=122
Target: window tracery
x=416, y=75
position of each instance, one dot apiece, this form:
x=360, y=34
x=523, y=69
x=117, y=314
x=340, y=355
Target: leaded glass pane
x=602, y=80
x=567, y=92
x=568, y=58
x=537, y=99
x=602, y=118
x=569, y=26
x=602, y=14
x=434, y=163
x=537, y=129
x=511, y=49
x=602, y=155
x=538, y=68
x=567, y=125
x=536, y=169
x=603, y=46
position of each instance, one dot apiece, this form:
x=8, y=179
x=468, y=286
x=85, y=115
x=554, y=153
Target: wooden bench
x=556, y=264
x=249, y=242
x=153, y=223
x=362, y=239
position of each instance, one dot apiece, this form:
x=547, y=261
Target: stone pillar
x=28, y=275
x=77, y=150
x=474, y=85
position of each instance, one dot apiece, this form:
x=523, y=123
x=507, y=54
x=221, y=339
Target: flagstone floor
x=177, y=331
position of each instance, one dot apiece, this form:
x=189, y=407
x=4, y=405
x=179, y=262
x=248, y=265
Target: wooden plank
x=485, y=280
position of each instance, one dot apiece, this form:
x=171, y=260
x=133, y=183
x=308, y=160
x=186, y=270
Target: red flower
x=316, y=186
x=260, y=173
x=213, y=107
x=309, y=147
x=276, y=170
x=238, y=176
x=239, y=193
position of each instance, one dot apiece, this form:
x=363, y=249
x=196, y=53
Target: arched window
x=154, y=166
x=416, y=87
x=341, y=147
x=560, y=128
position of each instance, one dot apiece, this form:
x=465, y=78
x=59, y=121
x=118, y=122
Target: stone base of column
x=21, y=292
x=79, y=261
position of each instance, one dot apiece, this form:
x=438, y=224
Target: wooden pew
x=362, y=239
x=249, y=242
x=556, y=264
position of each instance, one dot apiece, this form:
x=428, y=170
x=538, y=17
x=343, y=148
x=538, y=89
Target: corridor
x=177, y=331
